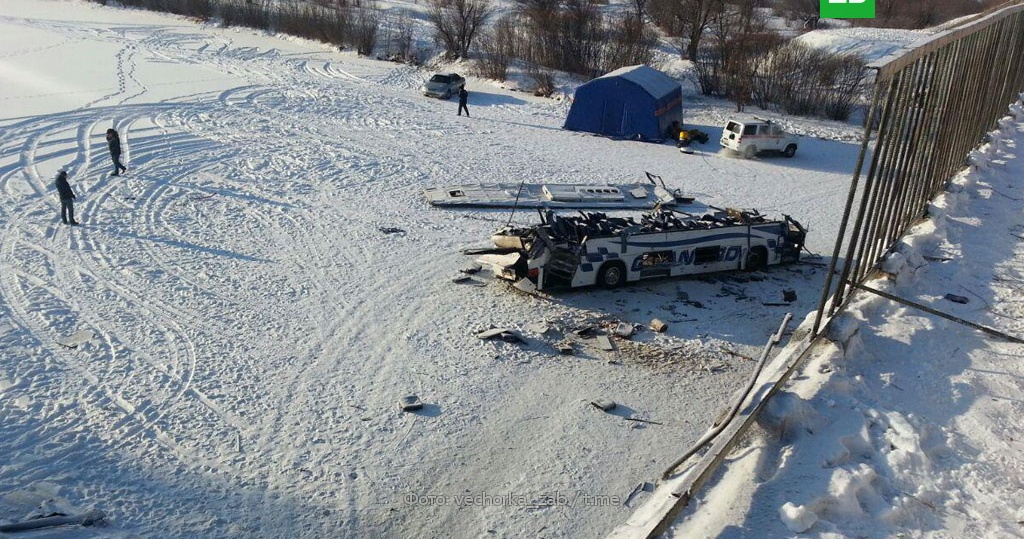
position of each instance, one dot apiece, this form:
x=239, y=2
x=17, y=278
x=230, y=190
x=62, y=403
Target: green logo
x=847, y=9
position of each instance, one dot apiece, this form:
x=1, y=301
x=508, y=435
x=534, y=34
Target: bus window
x=656, y=258
x=705, y=255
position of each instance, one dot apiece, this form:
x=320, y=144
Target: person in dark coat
x=673, y=131
x=114, y=143
x=463, y=96
x=67, y=197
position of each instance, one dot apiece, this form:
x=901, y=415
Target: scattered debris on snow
x=625, y=330
x=956, y=299
x=410, y=403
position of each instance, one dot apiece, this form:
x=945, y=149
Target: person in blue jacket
x=114, y=143
x=67, y=198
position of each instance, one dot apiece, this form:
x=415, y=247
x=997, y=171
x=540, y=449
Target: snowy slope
x=250, y=326
x=869, y=43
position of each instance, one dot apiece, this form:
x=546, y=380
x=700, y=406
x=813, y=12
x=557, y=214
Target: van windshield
x=733, y=126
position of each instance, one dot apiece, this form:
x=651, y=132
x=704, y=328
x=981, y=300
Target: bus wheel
x=757, y=259
x=611, y=275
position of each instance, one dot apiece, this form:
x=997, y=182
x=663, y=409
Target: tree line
x=734, y=53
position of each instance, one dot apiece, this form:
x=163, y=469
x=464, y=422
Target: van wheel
x=757, y=259
x=749, y=152
x=447, y=94
x=790, y=150
x=611, y=275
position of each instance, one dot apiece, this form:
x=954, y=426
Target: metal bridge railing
x=932, y=106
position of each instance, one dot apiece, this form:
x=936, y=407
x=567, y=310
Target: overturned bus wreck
x=594, y=249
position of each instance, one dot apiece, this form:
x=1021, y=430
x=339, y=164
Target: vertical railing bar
x=849, y=205
x=901, y=184
x=882, y=210
x=869, y=190
x=938, y=110
x=910, y=210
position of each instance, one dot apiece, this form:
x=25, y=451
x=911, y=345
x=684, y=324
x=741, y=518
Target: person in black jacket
x=463, y=96
x=114, y=143
x=67, y=197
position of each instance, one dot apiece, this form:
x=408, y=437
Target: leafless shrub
x=707, y=71
x=364, y=30
x=806, y=12
x=544, y=83
x=629, y=42
x=497, y=48
x=202, y=9
x=726, y=65
x=396, y=32
x=574, y=36
x=802, y=80
x=306, y=20
x=245, y=13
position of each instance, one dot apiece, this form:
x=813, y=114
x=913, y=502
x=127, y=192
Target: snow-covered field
x=246, y=315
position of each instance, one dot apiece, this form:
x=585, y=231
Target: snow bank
x=869, y=43
x=797, y=517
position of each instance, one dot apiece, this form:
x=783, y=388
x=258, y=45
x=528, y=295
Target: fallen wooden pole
x=718, y=428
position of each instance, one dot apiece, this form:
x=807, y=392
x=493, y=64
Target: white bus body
x=593, y=249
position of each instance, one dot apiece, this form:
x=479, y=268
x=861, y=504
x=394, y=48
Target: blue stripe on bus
x=679, y=243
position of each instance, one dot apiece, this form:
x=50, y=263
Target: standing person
x=463, y=96
x=114, y=143
x=67, y=197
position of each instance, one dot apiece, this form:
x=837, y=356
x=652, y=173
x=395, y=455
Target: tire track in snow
x=145, y=417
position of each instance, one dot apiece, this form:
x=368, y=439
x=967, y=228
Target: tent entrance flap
x=613, y=118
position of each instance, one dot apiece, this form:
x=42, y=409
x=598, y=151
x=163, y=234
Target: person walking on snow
x=114, y=143
x=67, y=197
x=463, y=96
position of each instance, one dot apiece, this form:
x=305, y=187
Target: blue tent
x=632, y=102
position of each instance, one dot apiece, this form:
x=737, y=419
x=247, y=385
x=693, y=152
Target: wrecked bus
x=592, y=248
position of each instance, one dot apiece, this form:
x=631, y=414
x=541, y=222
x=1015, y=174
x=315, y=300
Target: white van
x=748, y=137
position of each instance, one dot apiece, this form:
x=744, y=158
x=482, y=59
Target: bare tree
x=629, y=42
x=686, y=19
x=456, y=23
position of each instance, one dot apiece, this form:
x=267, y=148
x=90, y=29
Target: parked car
x=750, y=136
x=443, y=85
